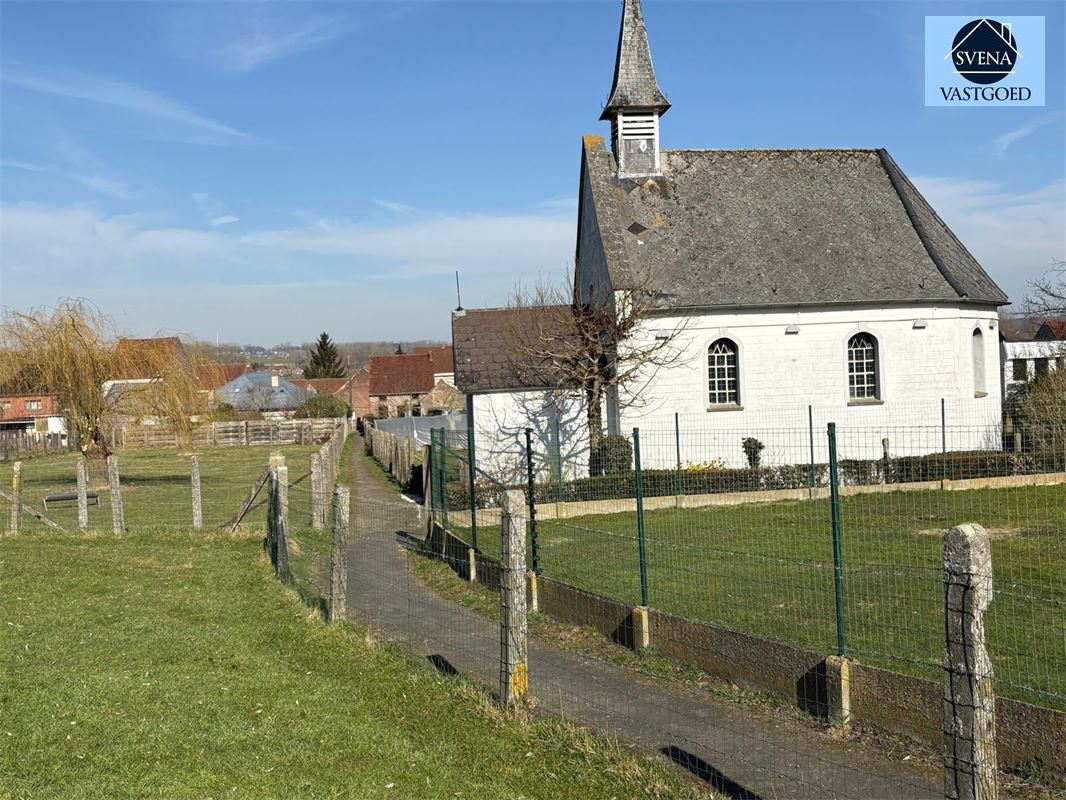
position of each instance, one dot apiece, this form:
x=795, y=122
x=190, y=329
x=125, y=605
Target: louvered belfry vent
x=636, y=143
x=636, y=103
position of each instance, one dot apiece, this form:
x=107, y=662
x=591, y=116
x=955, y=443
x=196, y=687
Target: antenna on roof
x=458, y=296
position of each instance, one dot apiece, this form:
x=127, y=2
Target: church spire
x=636, y=102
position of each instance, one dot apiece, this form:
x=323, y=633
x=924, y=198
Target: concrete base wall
x=880, y=698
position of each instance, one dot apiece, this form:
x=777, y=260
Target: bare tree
x=72, y=352
x=1048, y=296
x=591, y=348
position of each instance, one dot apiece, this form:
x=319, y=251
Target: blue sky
x=263, y=171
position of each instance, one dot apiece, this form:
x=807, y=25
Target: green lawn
x=157, y=488
x=768, y=569
x=172, y=664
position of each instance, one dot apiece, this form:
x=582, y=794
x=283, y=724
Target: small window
x=978, y=354
x=722, y=374
x=1019, y=369
x=862, y=367
x=1041, y=366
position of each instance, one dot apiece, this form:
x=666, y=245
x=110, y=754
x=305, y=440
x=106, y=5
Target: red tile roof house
x=413, y=384
x=353, y=390
x=213, y=377
x=33, y=413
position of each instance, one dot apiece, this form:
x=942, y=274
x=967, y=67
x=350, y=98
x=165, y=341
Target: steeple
x=636, y=102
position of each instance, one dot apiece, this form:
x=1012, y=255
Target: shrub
x=613, y=456
x=322, y=406
x=223, y=412
x=753, y=451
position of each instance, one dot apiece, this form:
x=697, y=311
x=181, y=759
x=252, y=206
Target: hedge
x=957, y=465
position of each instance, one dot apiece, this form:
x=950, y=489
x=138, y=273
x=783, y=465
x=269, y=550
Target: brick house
x=33, y=413
x=414, y=384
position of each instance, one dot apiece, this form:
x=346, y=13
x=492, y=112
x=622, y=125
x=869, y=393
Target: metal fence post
x=114, y=485
x=534, y=547
x=969, y=699
x=642, y=551
x=838, y=555
x=471, y=460
x=557, y=436
x=337, y=606
x=514, y=668
x=442, y=436
x=677, y=449
x=197, y=502
x=16, y=497
x=810, y=428
x=83, y=495
x=943, y=442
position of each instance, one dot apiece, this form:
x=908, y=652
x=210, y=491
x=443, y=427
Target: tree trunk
x=96, y=465
x=594, y=399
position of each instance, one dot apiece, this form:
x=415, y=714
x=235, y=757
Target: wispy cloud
x=273, y=39
x=76, y=85
x=1002, y=143
x=224, y=220
x=1015, y=236
x=160, y=272
x=93, y=181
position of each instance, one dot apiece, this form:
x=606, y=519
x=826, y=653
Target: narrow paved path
x=738, y=754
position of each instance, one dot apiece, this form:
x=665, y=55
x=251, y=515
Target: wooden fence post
x=279, y=508
x=83, y=495
x=318, y=499
x=197, y=503
x=118, y=518
x=16, y=498
x=969, y=700
x=338, y=556
x=514, y=669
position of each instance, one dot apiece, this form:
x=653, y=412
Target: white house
x=799, y=286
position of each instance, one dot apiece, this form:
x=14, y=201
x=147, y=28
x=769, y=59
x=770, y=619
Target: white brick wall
x=782, y=374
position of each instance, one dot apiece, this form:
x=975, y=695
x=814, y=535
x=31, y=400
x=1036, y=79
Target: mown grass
x=767, y=569
x=157, y=488
x=176, y=666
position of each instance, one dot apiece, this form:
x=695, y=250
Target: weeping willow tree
x=74, y=353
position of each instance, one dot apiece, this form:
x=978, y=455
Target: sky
x=259, y=172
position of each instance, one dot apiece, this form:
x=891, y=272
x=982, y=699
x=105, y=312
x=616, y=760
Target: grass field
x=172, y=664
x=768, y=569
x=156, y=486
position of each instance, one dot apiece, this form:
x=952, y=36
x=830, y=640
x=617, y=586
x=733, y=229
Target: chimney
x=274, y=379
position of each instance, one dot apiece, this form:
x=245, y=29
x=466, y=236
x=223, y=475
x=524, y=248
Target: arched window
x=978, y=351
x=723, y=388
x=862, y=367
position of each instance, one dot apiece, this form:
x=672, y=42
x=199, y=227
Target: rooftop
x=778, y=227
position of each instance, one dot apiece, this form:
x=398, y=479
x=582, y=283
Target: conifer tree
x=325, y=361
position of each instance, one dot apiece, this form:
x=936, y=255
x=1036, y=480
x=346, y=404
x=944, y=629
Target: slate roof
x=1051, y=330
x=486, y=343
x=440, y=354
x=401, y=374
x=778, y=227
x=254, y=391
x=634, y=83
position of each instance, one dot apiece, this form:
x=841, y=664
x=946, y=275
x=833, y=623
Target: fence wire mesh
x=785, y=543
